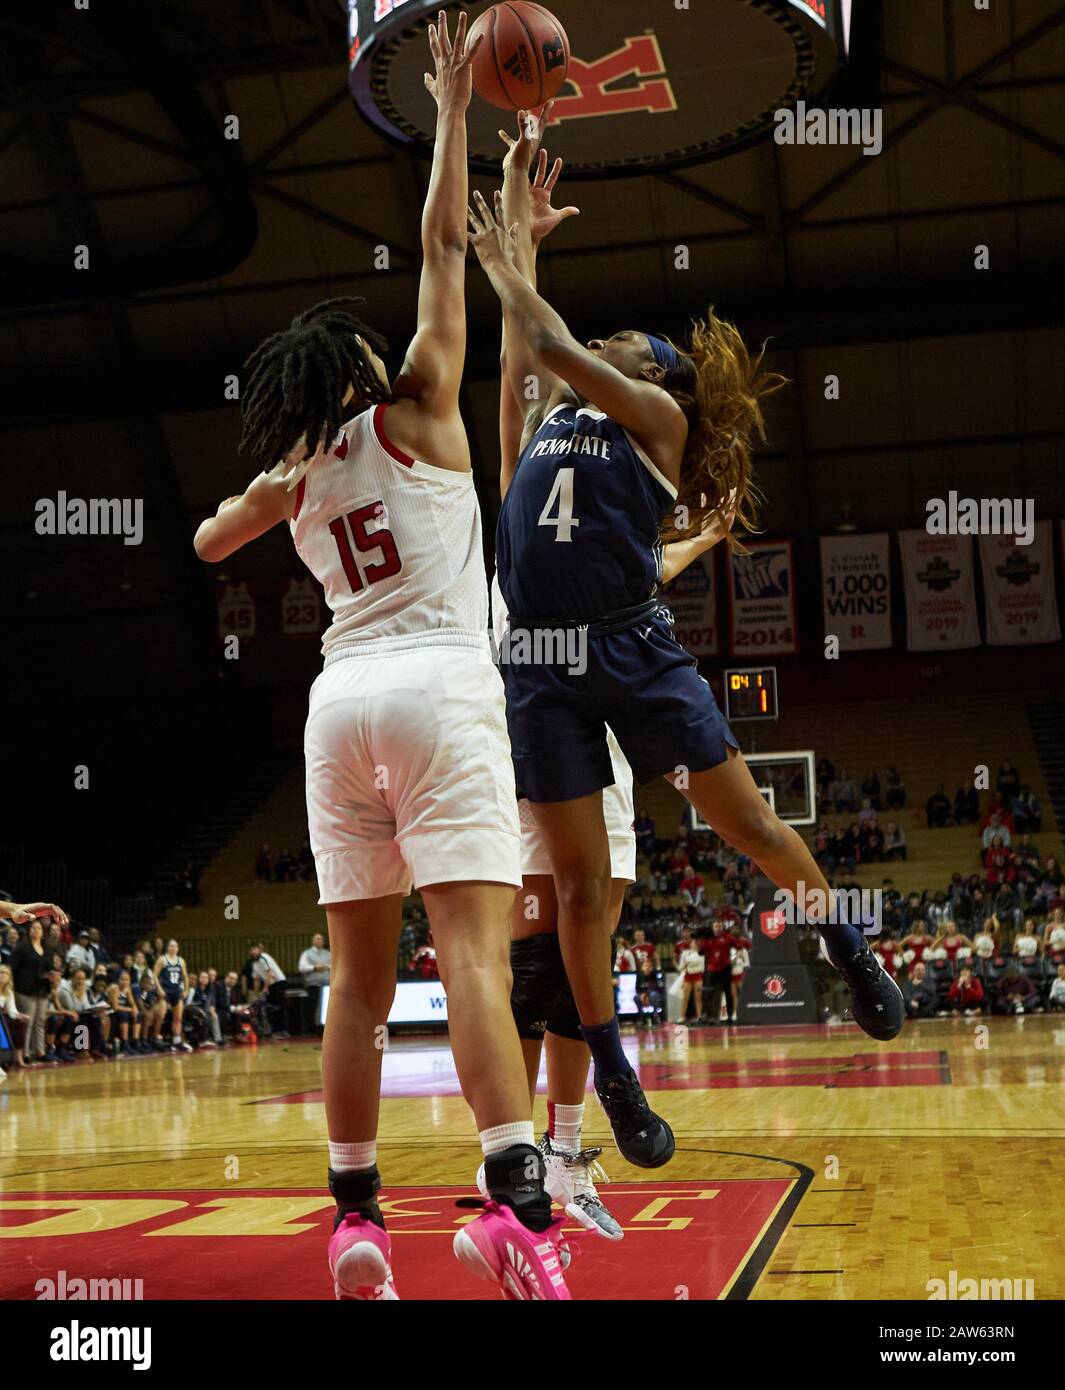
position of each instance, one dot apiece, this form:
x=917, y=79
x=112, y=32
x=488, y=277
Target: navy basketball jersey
x=577, y=536
x=170, y=974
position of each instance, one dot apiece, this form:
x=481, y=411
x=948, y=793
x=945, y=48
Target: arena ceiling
x=111, y=137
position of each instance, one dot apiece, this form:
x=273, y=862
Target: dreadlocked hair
x=720, y=388
x=298, y=379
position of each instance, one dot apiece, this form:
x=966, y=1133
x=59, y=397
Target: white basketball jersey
x=395, y=544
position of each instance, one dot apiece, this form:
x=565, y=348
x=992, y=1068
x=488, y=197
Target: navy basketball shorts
x=642, y=683
x=172, y=994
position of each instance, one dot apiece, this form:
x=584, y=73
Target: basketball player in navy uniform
x=541, y=999
x=173, y=980
x=627, y=442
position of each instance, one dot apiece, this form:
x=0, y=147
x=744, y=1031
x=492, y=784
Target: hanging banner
x=236, y=611
x=856, y=591
x=301, y=608
x=1022, y=606
x=761, y=589
x=692, y=599
x=940, y=596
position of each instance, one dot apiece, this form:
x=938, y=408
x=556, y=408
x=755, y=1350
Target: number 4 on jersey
x=564, y=520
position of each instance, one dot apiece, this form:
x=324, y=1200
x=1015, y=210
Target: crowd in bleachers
x=990, y=939
x=65, y=997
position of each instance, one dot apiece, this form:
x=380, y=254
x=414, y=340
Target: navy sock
x=604, y=1040
x=840, y=938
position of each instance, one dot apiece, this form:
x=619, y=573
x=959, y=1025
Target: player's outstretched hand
x=543, y=218
x=493, y=243
x=29, y=912
x=453, y=82
x=521, y=151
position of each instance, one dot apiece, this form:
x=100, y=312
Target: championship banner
x=301, y=608
x=1022, y=606
x=940, y=595
x=856, y=591
x=236, y=611
x=761, y=589
x=692, y=599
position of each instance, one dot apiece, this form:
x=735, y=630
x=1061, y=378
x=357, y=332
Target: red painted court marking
x=682, y=1240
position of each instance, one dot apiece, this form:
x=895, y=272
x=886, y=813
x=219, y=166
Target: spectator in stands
x=264, y=863
x=11, y=940
x=843, y=794
x=1054, y=934
x=30, y=966
x=1026, y=862
x=866, y=814
x=425, y=962
x=1016, y=993
x=871, y=788
x=305, y=861
x=1008, y=783
x=937, y=809
x=1057, y=989
x=894, y=841
x=125, y=1017
x=1026, y=943
x=690, y=964
x=843, y=850
x=966, y=994
x=998, y=864
x=1027, y=812
x=81, y=956
x=995, y=828
x=966, y=805
x=822, y=845
x=152, y=1008
x=203, y=998
x=919, y=993
x=872, y=842
x=188, y=885
x=624, y=960
x=643, y=949
x=985, y=942
x=691, y=886
x=241, y=1012
x=644, y=828
x=824, y=776
x=17, y=1021
x=916, y=943
x=315, y=962
x=285, y=868
x=649, y=991
x=99, y=950
x=77, y=999
x=61, y=1022
x=895, y=796
x=1047, y=892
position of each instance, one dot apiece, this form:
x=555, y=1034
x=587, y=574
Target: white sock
x=501, y=1137
x=564, y=1126
x=351, y=1158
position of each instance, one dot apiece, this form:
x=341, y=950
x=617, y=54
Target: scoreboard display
x=751, y=693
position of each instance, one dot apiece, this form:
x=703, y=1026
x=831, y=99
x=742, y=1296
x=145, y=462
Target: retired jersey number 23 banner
x=761, y=591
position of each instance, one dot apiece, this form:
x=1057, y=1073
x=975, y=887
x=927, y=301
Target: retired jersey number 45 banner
x=761, y=590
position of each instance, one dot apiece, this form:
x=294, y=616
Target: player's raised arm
x=541, y=219
x=427, y=389
x=535, y=329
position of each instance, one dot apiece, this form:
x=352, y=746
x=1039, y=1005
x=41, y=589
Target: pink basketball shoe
x=360, y=1260
x=525, y=1264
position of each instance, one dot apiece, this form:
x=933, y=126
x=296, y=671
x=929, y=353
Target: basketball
x=524, y=58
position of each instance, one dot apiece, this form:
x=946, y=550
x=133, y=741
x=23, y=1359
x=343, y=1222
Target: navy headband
x=665, y=354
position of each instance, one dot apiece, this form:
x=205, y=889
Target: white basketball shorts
x=409, y=775
x=617, y=812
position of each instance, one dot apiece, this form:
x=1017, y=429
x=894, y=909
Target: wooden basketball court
x=812, y=1163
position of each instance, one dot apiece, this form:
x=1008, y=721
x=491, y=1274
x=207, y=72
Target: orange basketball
x=524, y=58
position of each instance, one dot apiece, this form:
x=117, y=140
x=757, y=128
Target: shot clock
x=751, y=693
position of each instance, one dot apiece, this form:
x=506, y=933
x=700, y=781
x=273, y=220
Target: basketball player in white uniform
x=543, y=1005
x=409, y=777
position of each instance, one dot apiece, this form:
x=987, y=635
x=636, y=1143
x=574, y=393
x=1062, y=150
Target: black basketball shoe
x=876, y=1000
x=642, y=1137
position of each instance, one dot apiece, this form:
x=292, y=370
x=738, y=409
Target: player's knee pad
x=539, y=976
